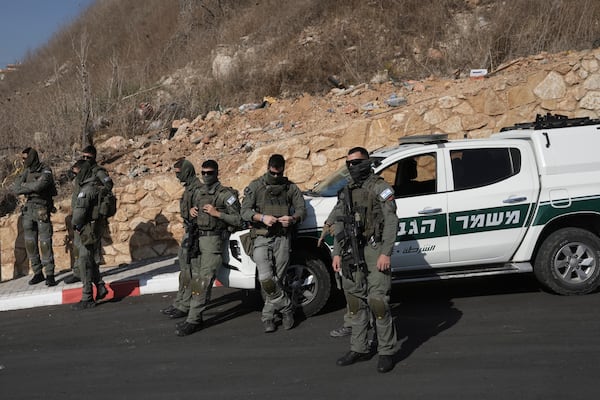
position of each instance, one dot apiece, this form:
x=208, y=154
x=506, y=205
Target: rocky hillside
x=314, y=134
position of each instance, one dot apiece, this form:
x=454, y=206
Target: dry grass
x=282, y=48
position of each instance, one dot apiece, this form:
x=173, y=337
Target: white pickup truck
x=525, y=199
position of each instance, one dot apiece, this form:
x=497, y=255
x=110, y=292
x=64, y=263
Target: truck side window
x=473, y=168
x=412, y=176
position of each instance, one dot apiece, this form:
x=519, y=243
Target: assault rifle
x=190, y=242
x=350, y=237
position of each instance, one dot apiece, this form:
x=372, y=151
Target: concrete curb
x=168, y=282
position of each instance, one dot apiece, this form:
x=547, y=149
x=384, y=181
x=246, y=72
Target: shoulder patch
x=232, y=199
x=386, y=193
x=81, y=195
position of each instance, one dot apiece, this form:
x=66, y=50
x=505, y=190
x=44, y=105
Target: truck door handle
x=512, y=200
x=430, y=211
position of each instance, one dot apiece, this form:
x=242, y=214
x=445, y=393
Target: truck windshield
x=330, y=186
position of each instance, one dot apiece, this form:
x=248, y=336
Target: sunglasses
x=355, y=162
x=212, y=172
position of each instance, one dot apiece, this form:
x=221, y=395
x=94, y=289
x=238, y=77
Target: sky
x=26, y=25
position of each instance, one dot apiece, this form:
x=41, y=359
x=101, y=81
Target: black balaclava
x=210, y=180
x=360, y=172
x=275, y=180
x=187, y=173
x=32, y=162
x=91, y=150
x=85, y=171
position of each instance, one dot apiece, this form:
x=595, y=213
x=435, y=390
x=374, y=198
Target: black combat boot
x=287, y=320
x=37, y=278
x=177, y=313
x=187, y=328
x=351, y=357
x=71, y=279
x=385, y=363
x=101, y=291
x=50, y=280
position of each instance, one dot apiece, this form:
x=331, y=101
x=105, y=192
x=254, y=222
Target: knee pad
x=31, y=247
x=269, y=286
x=353, y=303
x=46, y=250
x=379, y=307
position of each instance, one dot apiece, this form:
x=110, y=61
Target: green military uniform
x=373, y=200
x=95, y=276
x=37, y=184
x=211, y=233
x=271, y=251
x=84, y=223
x=103, y=181
x=188, y=178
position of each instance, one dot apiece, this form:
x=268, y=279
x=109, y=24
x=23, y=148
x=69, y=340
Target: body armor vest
x=273, y=200
x=205, y=221
x=366, y=204
x=44, y=199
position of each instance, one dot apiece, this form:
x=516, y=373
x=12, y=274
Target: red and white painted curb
x=118, y=289
x=162, y=283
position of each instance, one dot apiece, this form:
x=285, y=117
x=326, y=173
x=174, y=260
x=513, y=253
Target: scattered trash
x=249, y=106
x=478, y=73
x=395, y=101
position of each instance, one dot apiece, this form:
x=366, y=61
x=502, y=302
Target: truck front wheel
x=309, y=284
x=568, y=262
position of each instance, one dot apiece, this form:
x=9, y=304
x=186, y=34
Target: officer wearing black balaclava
x=273, y=205
x=37, y=184
x=87, y=235
x=210, y=210
x=367, y=209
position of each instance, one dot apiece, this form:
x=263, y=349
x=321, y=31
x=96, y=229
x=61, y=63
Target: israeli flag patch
x=386, y=194
x=231, y=200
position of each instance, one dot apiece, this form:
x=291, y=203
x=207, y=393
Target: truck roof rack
x=551, y=121
x=424, y=139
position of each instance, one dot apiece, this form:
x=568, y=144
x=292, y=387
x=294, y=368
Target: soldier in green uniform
x=84, y=219
x=37, y=184
x=273, y=205
x=186, y=173
x=103, y=181
x=101, y=290
x=216, y=212
x=365, y=230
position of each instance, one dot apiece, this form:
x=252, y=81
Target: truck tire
x=309, y=284
x=568, y=262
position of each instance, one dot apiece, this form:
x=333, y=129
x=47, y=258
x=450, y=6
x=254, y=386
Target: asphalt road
x=496, y=338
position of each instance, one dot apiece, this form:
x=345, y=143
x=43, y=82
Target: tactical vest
x=273, y=200
x=205, y=221
x=368, y=207
x=45, y=198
